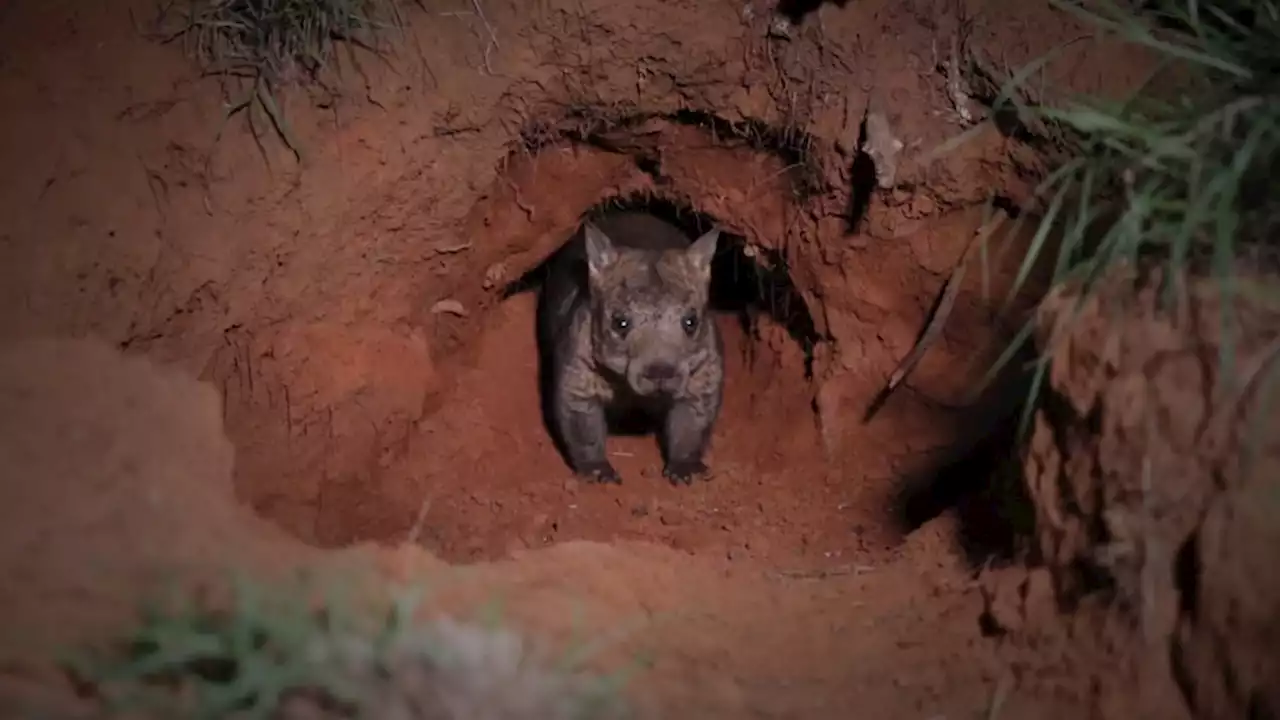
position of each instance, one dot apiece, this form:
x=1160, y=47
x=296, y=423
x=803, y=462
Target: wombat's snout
x=659, y=372
x=655, y=378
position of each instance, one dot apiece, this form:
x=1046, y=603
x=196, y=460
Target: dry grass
x=261, y=48
x=1175, y=179
x=272, y=653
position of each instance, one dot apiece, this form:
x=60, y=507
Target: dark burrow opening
x=979, y=477
x=741, y=288
x=797, y=10
x=741, y=285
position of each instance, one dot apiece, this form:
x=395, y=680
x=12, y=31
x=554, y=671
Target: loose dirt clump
x=1153, y=473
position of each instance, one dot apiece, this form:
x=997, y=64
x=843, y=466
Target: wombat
x=623, y=318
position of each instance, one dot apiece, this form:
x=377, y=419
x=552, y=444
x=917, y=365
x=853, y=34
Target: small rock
x=450, y=306
x=780, y=28
x=494, y=275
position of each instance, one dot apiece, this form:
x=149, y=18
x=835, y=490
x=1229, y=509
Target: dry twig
x=950, y=291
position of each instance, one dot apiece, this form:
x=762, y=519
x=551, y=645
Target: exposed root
x=942, y=310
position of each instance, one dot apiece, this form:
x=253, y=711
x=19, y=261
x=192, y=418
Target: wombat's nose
x=660, y=371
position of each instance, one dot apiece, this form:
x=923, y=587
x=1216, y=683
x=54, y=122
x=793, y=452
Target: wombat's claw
x=601, y=472
x=683, y=472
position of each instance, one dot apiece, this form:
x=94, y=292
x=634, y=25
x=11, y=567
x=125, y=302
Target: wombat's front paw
x=600, y=472
x=684, y=471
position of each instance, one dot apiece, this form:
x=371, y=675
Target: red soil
x=375, y=387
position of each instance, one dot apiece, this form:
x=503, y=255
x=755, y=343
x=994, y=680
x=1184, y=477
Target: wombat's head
x=649, y=310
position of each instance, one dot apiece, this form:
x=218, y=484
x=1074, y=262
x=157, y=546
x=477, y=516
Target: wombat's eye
x=689, y=322
x=621, y=324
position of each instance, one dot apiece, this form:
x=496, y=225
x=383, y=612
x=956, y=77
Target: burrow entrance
x=428, y=428
x=749, y=285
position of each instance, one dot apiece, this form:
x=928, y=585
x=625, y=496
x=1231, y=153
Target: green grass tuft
x=260, y=48
x=1177, y=177
x=272, y=652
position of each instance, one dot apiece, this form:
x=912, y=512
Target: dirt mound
x=127, y=487
x=116, y=476
x=109, y=461
x=1154, y=475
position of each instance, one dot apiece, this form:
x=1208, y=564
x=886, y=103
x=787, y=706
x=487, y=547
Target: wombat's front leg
x=584, y=428
x=685, y=435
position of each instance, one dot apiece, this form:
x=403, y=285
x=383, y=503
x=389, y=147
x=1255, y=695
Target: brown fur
x=625, y=326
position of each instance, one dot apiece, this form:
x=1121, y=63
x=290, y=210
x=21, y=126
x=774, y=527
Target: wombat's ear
x=600, y=252
x=702, y=250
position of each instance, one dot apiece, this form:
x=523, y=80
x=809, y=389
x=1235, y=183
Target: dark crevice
x=980, y=481
x=650, y=166
x=985, y=90
x=996, y=515
x=1186, y=578
x=797, y=10
x=1259, y=707
x=1087, y=574
x=1007, y=205
x=1186, y=575
x=862, y=182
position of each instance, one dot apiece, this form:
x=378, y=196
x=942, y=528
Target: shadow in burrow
x=795, y=11
x=863, y=179
x=978, y=476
